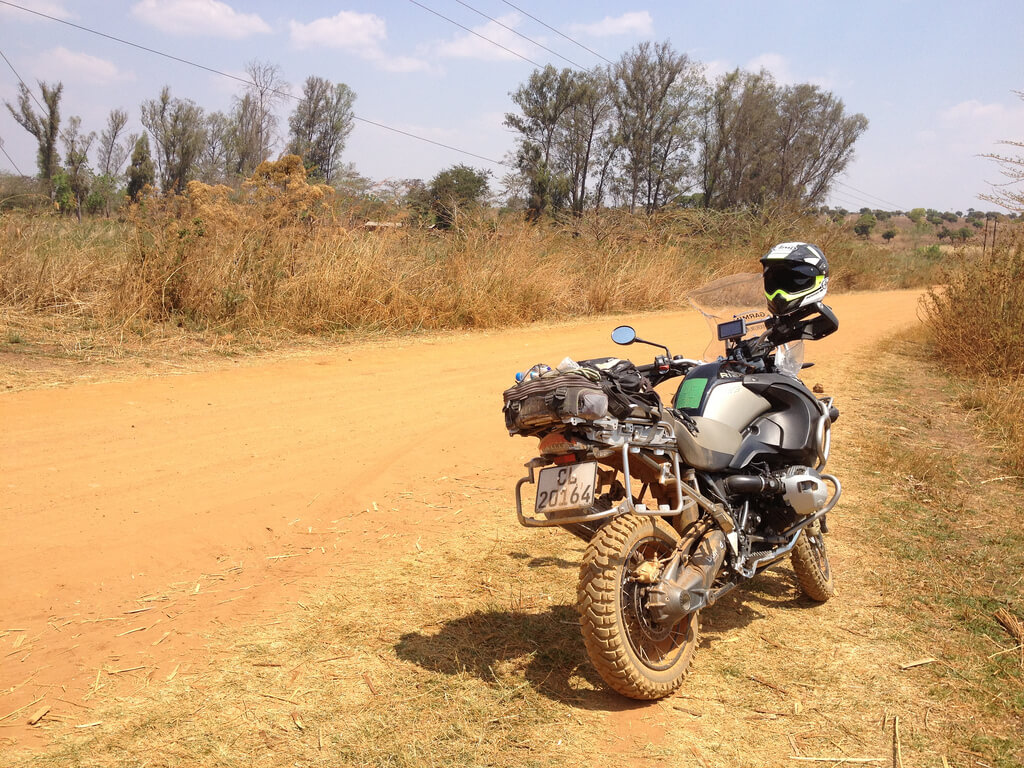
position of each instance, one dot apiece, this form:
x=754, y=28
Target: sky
x=937, y=80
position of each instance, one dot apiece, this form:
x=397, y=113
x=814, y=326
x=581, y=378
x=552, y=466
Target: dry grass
x=279, y=258
x=976, y=326
x=950, y=517
x=977, y=319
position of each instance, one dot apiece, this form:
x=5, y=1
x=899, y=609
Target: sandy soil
x=138, y=514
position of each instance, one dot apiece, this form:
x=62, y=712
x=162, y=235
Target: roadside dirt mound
x=140, y=515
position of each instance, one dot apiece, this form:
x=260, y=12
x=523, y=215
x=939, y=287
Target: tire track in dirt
x=137, y=515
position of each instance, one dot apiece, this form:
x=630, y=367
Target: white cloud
x=362, y=34
x=351, y=31
x=636, y=23
x=71, y=66
x=469, y=46
x=209, y=18
x=50, y=8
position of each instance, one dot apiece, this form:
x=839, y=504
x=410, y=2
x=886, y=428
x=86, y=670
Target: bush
x=977, y=320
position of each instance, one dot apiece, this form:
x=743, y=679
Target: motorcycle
x=681, y=503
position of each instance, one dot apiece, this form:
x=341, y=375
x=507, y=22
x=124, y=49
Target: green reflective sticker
x=690, y=393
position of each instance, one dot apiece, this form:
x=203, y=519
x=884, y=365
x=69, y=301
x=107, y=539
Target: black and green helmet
x=795, y=275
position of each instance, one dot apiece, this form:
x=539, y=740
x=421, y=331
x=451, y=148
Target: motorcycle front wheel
x=810, y=562
x=633, y=654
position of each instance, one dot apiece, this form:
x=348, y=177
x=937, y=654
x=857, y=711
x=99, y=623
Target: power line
x=875, y=197
x=30, y=92
x=575, y=42
x=487, y=39
x=247, y=82
x=10, y=159
x=520, y=34
x=861, y=202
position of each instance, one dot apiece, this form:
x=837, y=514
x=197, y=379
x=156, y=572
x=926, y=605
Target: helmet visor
x=791, y=278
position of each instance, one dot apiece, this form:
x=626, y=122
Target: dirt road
x=137, y=514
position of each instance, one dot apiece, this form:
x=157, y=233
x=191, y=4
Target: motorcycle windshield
x=741, y=296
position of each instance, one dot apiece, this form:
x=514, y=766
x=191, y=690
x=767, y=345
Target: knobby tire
x=613, y=632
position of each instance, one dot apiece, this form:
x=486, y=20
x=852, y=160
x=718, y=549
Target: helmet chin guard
x=795, y=276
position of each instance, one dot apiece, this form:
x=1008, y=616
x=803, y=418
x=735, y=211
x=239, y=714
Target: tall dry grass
x=278, y=255
x=976, y=324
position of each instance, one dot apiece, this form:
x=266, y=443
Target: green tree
x=656, y=94
x=543, y=101
x=179, y=133
x=760, y=142
x=217, y=163
x=253, y=122
x=916, y=215
x=454, y=191
x=320, y=125
x=864, y=225
x=888, y=235
x=112, y=151
x=76, y=162
x=140, y=169
x=45, y=127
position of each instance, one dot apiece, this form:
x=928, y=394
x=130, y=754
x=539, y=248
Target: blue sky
x=935, y=79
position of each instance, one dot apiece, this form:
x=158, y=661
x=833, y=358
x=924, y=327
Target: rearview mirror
x=624, y=334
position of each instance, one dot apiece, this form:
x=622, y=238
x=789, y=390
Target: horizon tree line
x=651, y=130
x=181, y=141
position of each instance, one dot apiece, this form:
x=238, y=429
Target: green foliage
x=140, y=171
x=889, y=234
x=179, y=133
x=932, y=252
x=44, y=127
x=916, y=215
x=454, y=190
x=320, y=125
x=864, y=225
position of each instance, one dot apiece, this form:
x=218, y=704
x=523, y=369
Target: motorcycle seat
x=712, y=448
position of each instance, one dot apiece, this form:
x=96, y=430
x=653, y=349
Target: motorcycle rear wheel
x=810, y=561
x=635, y=656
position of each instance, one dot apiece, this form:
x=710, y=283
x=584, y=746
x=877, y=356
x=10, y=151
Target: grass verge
x=948, y=513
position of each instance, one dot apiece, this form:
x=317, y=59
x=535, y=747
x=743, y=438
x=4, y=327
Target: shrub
x=977, y=320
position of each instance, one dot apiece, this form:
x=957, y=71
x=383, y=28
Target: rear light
x=556, y=443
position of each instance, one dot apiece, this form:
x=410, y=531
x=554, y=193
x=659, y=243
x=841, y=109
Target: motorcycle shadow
x=546, y=647
x=753, y=601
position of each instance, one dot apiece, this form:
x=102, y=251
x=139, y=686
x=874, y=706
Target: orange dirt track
x=138, y=514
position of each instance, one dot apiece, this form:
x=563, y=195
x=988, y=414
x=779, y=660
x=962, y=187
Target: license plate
x=567, y=487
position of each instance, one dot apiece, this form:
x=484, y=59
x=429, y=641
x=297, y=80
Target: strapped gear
x=795, y=276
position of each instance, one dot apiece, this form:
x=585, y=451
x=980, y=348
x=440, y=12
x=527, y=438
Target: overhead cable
x=24, y=85
x=472, y=32
x=571, y=40
x=875, y=197
x=9, y=158
x=245, y=81
x=520, y=34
